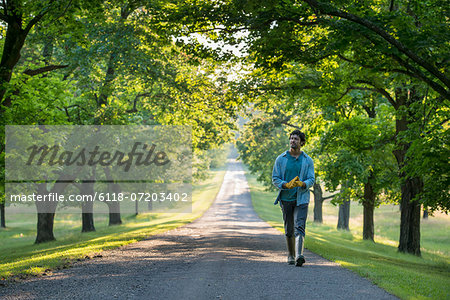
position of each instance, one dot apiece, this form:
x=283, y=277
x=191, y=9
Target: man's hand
x=294, y=183
x=299, y=183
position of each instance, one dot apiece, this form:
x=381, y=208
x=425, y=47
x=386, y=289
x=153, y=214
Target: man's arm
x=277, y=179
x=310, y=176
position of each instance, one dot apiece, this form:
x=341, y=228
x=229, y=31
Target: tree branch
x=374, y=89
x=345, y=58
x=293, y=126
x=377, y=90
x=79, y=107
x=370, y=111
x=332, y=11
x=249, y=28
x=346, y=92
x=374, y=67
x=419, y=75
x=381, y=91
x=299, y=22
x=220, y=29
x=67, y=114
x=329, y=197
x=283, y=88
x=134, y=109
x=392, y=5
x=34, y=21
x=44, y=69
x=414, y=72
x=78, y=111
x=69, y=3
x=39, y=16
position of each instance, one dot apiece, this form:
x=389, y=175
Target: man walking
x=293, y=175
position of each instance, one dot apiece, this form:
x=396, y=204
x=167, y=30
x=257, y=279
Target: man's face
x=294, y=141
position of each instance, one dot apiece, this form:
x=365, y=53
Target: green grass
x=404, y=275
x=19, y=256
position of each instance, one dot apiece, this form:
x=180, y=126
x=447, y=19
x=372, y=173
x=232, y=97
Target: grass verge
x=404, y=275
x=20, y=257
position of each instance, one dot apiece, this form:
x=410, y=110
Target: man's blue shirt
x=293, y=168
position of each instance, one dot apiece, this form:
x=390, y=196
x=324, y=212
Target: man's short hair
x=298, y=133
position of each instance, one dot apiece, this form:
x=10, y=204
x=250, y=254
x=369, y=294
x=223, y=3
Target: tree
x=36, y=100
x=359, y=164
x=18, y=89
x=20, y=18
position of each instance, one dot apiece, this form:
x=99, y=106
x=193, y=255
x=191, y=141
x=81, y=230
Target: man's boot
x=291, y=249
x=299, y=258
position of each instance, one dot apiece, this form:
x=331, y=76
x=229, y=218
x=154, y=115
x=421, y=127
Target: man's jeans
x=294, y=218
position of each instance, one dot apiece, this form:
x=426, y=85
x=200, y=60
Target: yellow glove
x=299, y=183
x=295, y=183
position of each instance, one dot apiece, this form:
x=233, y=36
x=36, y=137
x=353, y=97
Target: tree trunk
x=150, y=206
x=425, y=213
x=318, y=201
x=45, y=228
x=410, y=217
x=136, y=208
x=2, y=215
x=113, y=207
x=87, y=207
x=87, y=216
x=344, y=215
x=114, y=219
x=106, y=89
x=46, y=214
x=47, y=51
x=14, y=41
x=409, y=241
x=369, y=206
x=114, y=213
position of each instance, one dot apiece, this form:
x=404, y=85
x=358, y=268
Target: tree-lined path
x=229, y=253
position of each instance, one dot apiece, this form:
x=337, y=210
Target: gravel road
x=229, y=253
